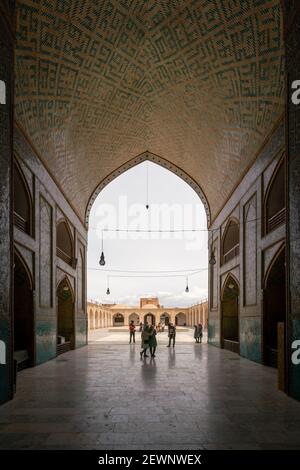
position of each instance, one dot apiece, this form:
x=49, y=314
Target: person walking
x=145, y=340
x=141, y=326
x=196, y=333
x=131, y=331
x=172, y=335
x=152, y=341
x=200, y=332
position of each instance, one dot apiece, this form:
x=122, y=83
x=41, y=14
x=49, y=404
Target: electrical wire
x=187, y=273
x=146, y=272
x=169, y=230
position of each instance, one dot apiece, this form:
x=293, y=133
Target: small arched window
x=64, y=243
x=231, y=241
x=274, y=206
x=22, y=202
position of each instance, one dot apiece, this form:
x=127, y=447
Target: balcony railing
x=21, y=223
x=232, y=253
x=64, y=256
x=276, y=220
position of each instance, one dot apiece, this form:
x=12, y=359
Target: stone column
x=292, y=48
x=6, y=233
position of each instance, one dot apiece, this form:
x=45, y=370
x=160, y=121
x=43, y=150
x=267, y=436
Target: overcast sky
x=172, y=204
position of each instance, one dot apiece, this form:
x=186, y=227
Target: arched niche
x=64, y=242
x=23, y=206
x=230, y=240
x=274, y=201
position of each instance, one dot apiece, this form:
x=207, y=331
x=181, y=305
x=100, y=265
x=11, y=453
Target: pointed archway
x=149, y=318
x=151, y=157
x=180, y=319
x=274, y=307
x=135, y=318
x=65, y=317
x=24, y=338
x=118, y=319
x=230, y=315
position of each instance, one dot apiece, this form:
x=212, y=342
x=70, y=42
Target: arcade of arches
x=90, y=97
x=104, y=316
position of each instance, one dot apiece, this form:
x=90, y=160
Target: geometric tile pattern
x=199, y=83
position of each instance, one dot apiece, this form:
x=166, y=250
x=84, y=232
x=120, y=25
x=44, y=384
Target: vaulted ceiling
x=198, y=82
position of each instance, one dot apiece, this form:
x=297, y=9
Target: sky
x=148, y=264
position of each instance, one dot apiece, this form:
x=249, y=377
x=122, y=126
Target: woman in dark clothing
x=196, y=333
x=145, y=341
x=152, y=341
x=200, y=332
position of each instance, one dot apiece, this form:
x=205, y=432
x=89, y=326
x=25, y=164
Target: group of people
x=149, y=332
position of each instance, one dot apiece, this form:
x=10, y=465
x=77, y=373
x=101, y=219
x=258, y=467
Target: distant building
x=149, y=310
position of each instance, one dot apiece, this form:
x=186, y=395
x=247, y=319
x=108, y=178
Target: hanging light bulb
x=212, y=259
x=107, y=290
x=102, y=258
x=187, y=285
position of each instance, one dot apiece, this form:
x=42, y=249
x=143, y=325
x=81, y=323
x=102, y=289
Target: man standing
x=172, y=334
x=132, y=331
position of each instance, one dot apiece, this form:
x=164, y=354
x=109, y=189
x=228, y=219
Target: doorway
x=135, y=318
x=230, y=316
x=24, y=350
x=274, y=308
x=118, y=319
x=149, y=318
x=65, y=317
x=165, y=319
x=180, y=319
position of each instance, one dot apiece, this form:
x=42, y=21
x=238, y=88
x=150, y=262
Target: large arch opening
x=149, y=318
x=144, y=240
x=165, y=319
x=65, y=317
x=118, y=319
x=135, y=318
x=230, y=315
x=274, y=307
x=24, y=337
x=158, y=160
x=180, y=319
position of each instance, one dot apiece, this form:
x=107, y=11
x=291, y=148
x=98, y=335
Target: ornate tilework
x=198, y=82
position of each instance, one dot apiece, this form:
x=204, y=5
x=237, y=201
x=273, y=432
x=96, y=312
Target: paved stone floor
x=194, y=397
